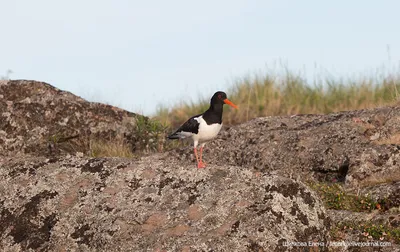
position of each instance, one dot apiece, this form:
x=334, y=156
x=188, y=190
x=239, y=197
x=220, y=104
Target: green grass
x=290, y=93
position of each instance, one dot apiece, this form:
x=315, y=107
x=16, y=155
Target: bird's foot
x=201, y=165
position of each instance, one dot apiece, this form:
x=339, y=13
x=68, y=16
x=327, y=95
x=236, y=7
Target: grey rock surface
x=39, y=119
x=80, y=204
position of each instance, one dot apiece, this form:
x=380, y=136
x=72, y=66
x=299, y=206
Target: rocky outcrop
x=80, y=204
x=253, y=196
x=359, y=148
x=39, y=119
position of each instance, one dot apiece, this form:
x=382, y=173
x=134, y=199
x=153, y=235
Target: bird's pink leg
x=201, y=163
x=197, y=158
x=195, y=154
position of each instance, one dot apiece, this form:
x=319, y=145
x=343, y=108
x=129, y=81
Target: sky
x=140, y=54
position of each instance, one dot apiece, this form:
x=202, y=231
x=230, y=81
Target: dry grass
x=114, y=148
x=288, y=93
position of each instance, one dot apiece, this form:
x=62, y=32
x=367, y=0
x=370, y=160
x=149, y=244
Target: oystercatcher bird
x=204, y=127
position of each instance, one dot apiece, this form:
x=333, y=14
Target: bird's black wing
x=190, y=126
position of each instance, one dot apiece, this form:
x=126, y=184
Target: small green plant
x=331, y=195
x=367, y=231
x=365, y=203
x=150, y=134
x=335, y=197
x=54, y=139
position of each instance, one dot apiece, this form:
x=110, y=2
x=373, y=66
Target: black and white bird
x=204, y=127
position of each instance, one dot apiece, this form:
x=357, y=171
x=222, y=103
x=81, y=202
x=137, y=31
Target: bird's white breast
x=206, y=132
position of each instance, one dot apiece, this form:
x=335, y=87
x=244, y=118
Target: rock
x=377, y=165
x=115, y=204
x=325, y=148
x=358, y=149
x=39, y=119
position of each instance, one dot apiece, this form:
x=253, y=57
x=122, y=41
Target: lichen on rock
x=121, y=204
x=39, y=119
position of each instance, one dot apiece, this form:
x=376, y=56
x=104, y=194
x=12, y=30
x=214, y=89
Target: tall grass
x=288, y=93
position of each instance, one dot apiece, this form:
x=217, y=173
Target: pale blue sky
x=137, y=54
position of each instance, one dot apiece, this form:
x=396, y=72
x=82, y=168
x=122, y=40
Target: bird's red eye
x=219, y=96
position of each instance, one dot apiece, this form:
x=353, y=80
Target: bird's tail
x=174, y=136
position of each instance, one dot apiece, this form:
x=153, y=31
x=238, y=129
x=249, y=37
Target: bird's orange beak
x=226, y=101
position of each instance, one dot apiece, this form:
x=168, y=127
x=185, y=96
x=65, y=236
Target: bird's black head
x=221, y=98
